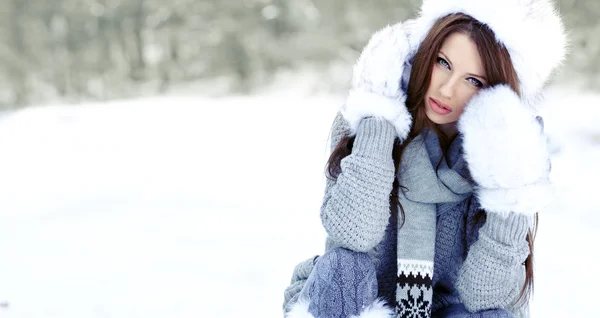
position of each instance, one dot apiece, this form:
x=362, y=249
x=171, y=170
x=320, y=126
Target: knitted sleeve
x=356, y=209
x=493, y=273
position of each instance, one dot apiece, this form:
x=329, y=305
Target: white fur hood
x=531, y=30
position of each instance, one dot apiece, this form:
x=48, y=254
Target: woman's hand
x=506, y=151
x=376, y=90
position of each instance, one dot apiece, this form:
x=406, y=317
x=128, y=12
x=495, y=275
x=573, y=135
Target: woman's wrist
x=509, y=229
x=374, y=138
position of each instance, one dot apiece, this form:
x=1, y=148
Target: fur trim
x=506, y=151
x=381, y=63
x=531, y=30
x=526, y=200
x=376, y=82
x=376, y=310
x=299, y=310
x=362, y=104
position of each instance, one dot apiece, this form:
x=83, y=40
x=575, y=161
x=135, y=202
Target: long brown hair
x=498, y=69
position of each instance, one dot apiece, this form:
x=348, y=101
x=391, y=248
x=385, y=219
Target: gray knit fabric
x=427, y=181
x=482, y=273
x=493, y=272
x=459, y=311
x=366, y=144
x=356, y=207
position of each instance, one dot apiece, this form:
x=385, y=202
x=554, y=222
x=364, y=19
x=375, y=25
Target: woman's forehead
x=463, y=54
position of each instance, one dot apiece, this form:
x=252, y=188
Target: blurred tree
x=18, y=72
x=76, y=50
x=582, y=19
x=138, y=17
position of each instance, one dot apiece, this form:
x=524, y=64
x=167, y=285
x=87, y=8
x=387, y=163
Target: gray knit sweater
x=478, y=264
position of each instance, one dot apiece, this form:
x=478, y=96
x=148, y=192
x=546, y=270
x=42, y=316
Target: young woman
x=438, y=168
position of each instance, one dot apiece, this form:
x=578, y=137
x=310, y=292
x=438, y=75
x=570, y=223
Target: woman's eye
x=475, y=82
x=443, y=62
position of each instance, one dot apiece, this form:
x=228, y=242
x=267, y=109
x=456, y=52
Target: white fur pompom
x=360, y=104
x=381, y=63
x=506, y=151
x=376, y=82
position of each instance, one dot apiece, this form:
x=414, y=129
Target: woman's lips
x=438, y=108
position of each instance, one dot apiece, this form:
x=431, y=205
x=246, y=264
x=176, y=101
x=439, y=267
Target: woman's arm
x=356, y=206
x=506, y=151
x=493, y=273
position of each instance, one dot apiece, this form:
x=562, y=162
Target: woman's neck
x=450, y=129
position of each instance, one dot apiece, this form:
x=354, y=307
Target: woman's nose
x=447, y=89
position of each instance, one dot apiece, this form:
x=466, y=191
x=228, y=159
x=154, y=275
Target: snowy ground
x=195, y=207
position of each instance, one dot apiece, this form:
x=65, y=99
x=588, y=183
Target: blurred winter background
x=166, y=158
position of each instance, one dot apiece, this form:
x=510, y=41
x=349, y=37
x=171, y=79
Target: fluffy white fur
x=376, y=78
x=531, y=30
x=361, y=104
x=528, y=200
x=299, y=310
x=506, y=150
x=376, y=310
x=380, y=65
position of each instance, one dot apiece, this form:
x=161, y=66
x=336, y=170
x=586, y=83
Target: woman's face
x=457, y=75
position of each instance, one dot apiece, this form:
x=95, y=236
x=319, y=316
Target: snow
x=201, y=207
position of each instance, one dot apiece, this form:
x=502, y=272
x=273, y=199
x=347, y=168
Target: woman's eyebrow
x=450, y=62
x=446, y=57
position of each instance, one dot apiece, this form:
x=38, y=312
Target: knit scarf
x=424, y=186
